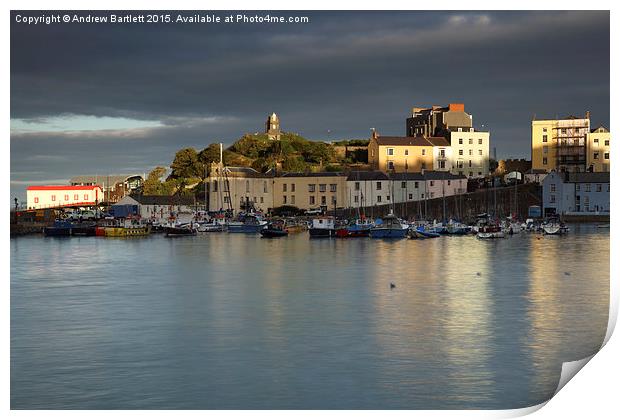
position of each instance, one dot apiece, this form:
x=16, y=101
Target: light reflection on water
x=235, y=321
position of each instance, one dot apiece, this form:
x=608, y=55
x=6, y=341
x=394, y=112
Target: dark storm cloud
x=343, y=72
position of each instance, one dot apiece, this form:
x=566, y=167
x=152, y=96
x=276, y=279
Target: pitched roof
x=412, y=141
x=367, y=176
x=581, y=177
x=163, y=200
x=310, y=174
x=427, y=175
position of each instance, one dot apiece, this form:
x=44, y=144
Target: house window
x=470, y=163
x=545, y=149
x=283, y=187
x=471, y=152
x=378, y=185
x=387, y=198
x=480, y=152
x=461, y=152
x=390, y=165
x=544, y=138
x=432, y=194
x=323, y=200
x=284, y=199
x=423, y=152
x=599, y=187
x=607, y=155
x=471, y=141
x=460, y=141
x=66, y=197
x=544, y=161
x=85, y=197
x=378, y=199
x=442, y=164
x=544, y=129
x=225, y=199
x=606, y=142
x=262, y=199
x=479, y=141
x=357, y=186
x=448, y=182
x=410, y=196
x=595, y=156
x=36, y=199
x=311, y=198
x=459, y=164
x=596, y=141
x=406, y=152
x=577, y=188
x=311, y=188
x=390, y=152
x=587, y=187
x=564, y=131
x=76, y=197
x=552, y=187
x=53, y=198
x=322, y=187
x=332, y=187
x=403, y=184
x=292, y=187
x=432, y=183
x=356, y=199
x=552, y=198
x=415, y=184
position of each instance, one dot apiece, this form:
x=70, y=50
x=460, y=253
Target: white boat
x=554, y=226
x=390, y=227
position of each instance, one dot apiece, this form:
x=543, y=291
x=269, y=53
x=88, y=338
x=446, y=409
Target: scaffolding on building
x=570, y=136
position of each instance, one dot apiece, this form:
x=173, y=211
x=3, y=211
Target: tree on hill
x=154, y=186
x=209, y=154
x=186, y=168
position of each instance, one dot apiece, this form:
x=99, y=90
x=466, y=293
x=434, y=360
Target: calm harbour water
x=223, y=321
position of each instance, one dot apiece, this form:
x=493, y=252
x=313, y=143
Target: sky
x=123, y=98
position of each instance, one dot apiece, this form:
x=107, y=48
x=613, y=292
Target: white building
x=576, y=193
x=48, y=196
x=470, y=152
x=237, y=187
x=366, y=189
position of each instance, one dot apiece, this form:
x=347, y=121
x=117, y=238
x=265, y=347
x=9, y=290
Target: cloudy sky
x=104, y=99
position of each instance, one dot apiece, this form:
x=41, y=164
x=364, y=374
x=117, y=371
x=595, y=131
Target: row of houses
x=438, y=139
x=576, y=193
x=238, y=188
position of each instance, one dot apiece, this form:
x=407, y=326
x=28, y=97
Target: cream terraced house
x=408, y=154
x=310, y=190
x=598, y=149
x=470, y=152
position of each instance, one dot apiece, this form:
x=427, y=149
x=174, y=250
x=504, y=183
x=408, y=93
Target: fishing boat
x=186, y=229
x=322, y=227
x=212, y=226
x=248, y=223
x=59, y=228
x=389, y=227
x=274, y=229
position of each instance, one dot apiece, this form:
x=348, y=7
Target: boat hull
x=322, y=233
x=273, y=233
x=388, y=233
x=245, y=228
x=57, y=231
x=422, y=234
x=83, y=231
x=123, y=232
x=490, y=235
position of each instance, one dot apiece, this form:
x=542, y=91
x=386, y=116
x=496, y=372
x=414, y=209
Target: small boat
x=389, y=227
x=421, y=233
x=457, y=228
x=274, y=230
x=212, y=226
x=553, y=226
x=187, y=229
x=59, y=228
x=249, y=223
x=490, y=231
x=322, y=227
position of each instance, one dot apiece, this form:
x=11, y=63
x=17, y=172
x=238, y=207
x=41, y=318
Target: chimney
x=587, y=115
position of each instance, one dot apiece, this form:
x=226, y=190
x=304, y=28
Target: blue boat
x=422, y=233
x=59, y=228
x=390, y=227
x=250, y=223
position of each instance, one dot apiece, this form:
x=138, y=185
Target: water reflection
x=235, y=321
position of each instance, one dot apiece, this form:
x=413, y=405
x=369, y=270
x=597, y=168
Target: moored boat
x=84, y=229
x=322, y=227
x=59, y=228
x=249, y=223
x=188, y=229
x=553, y=226
x=389, y=227
x=490, y=231
x=274, y=230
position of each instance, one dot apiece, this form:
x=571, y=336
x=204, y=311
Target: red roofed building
x=47, y=196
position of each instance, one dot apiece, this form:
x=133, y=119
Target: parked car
x=313, y=212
